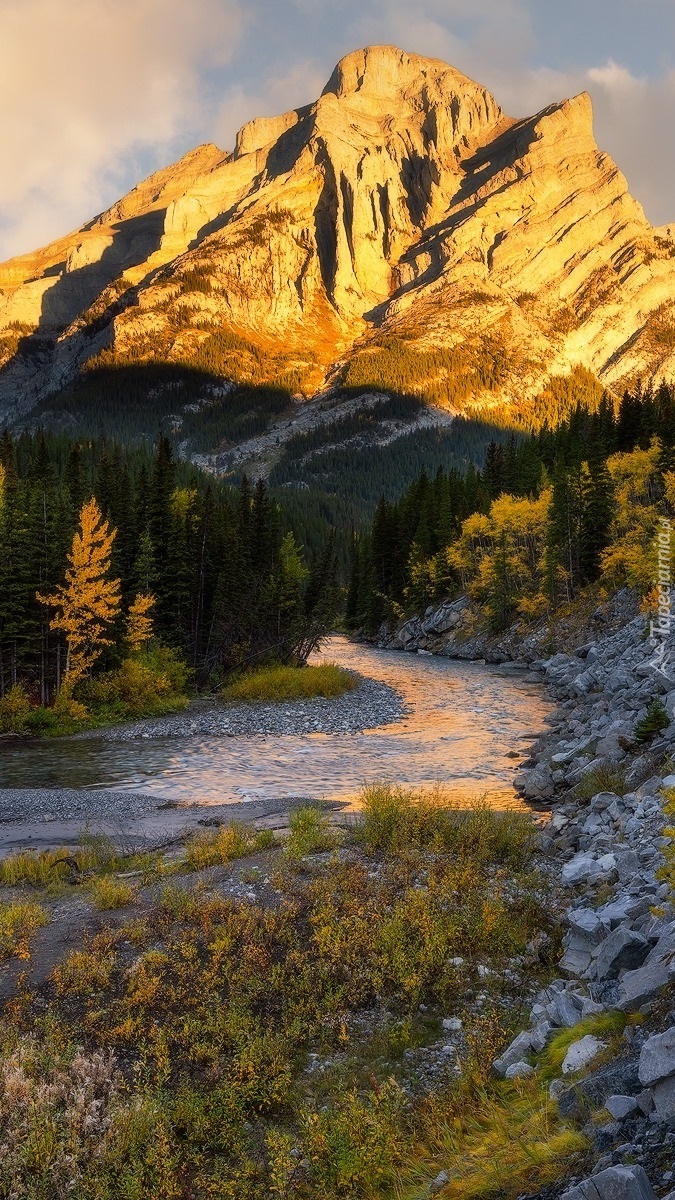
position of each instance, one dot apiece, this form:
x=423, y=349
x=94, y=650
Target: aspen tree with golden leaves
x=89, y=601
x=139, y=629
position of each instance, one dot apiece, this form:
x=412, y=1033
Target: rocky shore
x=604, y=847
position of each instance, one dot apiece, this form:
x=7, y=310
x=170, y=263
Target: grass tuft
x=273, y=685
x=498, y=1141
x=608, y=1026
x=601, y=779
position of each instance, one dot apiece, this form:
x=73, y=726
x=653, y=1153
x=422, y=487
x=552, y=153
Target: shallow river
x=464, y=720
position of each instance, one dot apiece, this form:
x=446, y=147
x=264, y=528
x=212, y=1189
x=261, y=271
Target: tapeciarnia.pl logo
x=660, y=628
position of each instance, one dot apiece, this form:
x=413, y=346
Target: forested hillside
x=547, y=515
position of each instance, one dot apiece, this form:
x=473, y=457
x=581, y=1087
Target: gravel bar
x=371, y=704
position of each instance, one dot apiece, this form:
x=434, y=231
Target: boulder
x=518, y=1070
x=664, y=1098
x=583, y=868
x=587, y=923
x=614, y=1183
x=612, y=1079
x=581, y=1053
x=540, y=1035
x=645, y=984
x=657, y=1057
x=620, y=1107
x=623, y=950
x=564, y=1011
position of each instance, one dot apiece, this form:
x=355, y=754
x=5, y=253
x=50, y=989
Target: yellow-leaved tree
x=89, y=601
x=139, y=622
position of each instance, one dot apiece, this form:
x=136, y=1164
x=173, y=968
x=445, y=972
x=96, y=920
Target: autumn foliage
x=89, y=601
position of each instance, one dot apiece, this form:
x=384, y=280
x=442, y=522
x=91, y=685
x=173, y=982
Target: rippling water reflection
x=464, y=720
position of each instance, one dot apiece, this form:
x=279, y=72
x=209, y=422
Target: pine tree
x=596, y=517
x=89, y=601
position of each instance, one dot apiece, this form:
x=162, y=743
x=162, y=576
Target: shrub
x=652, y=723
x=601, y=779
x=146, y=684
x=310, y=832
x=14, y=710
x=354, y=1146
x=19, y=920
x=56, y=1109
x=394, y=819
x=272, y=685
x=224, y=845
x=40, y=869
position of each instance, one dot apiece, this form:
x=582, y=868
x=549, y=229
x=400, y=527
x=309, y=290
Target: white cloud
x=300, y=85
x=87, y=89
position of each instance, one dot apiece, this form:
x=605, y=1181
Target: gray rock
x=583, y=868
x=620, y=1107
x=624, y=949
x=657, y=1057
x=587, y=924
x=581, y=1053
x=540, y=1035
x=439, y=1182
x=664, y=1098
x=520, y=1046
x=566, y=1011
x=614, y=1183
x=584, y=1095
x=644, y=985
x=518, y=1070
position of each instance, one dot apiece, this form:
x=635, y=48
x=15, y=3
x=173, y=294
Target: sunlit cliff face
x=403, y=204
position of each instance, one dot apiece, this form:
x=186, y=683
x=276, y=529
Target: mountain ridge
x=402, y=233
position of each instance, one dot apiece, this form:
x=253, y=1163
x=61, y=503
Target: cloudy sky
x=95, y=94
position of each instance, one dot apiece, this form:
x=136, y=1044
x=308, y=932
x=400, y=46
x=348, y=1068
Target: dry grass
x=499, y=1140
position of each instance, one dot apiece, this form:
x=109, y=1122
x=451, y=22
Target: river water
x=464, y=719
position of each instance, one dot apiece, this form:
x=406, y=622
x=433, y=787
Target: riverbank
x=370, y=705
x=609, y=779
x=612, y=851
x=585, y=1090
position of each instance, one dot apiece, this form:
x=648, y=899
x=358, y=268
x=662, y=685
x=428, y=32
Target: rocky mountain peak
x=402, y=209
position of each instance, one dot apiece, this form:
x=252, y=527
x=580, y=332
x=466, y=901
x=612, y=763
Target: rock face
x=402, y=212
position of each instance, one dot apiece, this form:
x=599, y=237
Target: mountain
x=401, y=235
